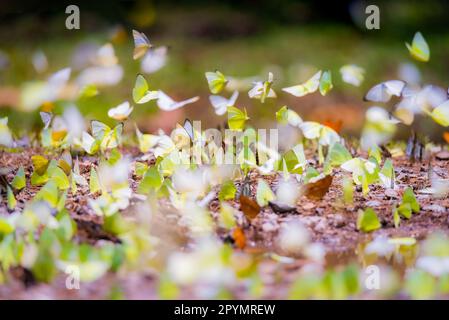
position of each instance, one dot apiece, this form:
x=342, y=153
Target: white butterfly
x=60, y=77
x=141, y=44
x=105, y=56
x=314, y=130
x=262, y=90
x=307, y=87
x=40, y=61
x=409, y=73
x=382, y=92
x=166, y=103
x=352, y=74
x=416, y=99
x=154, y=60
x=121, y=112
x=101, y=76
x=221, y=104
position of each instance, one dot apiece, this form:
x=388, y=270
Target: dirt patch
x=329, y=221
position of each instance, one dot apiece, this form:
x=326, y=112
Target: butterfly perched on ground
x=164, y=102
x=40, y=164
x=141, y=44
x=102, y=137
x=383, y=92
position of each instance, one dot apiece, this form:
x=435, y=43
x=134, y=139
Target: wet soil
x=329, y=221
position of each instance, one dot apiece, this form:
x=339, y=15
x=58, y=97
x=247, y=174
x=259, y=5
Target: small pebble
x=372, y=203
x=321, y=226
x=435, y=208
x=268, y=227
x=308, y=206
x=339, y=221
x=392, y=194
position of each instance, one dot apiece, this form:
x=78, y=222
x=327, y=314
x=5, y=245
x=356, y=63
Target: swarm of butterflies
x=68, y=129
x=190, y=188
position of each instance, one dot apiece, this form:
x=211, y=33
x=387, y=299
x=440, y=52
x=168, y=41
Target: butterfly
x=141, y=92
x=164, y=102
x=383, y=92
x=236, y=118
x=262, y=90
x=221, y=104
x=264, y=194
x=40, y=61
x=121, y=112
x=109, y=138
x=146, y=141
x=307, y=87
x=184, y=135
x=325, y=83
x=419, y=49
x=65, y=162
x=216, y=81
x=5, y=134
x=105, y=56
x=440, y=114
x=46, y=118
x=141, y=44
x=40, y=164
x=315, y=130
x=352, y=74
x=286, y=116
x=154, y=60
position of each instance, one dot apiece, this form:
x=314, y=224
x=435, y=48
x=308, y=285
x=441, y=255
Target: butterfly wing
x=141, y=44
x=183, y=103
x=154, y=60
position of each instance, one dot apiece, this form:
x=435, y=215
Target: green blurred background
x=240, y=38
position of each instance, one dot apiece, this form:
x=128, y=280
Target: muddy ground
x=329, y=221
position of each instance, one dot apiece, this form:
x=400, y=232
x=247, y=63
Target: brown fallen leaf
x=316, y=190
x=239, y=238
x=249, y=207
